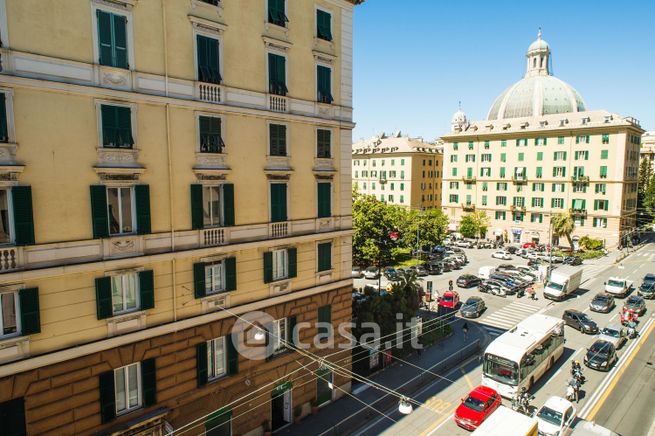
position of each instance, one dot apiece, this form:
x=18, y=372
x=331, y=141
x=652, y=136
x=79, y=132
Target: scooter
x=572, y=390
x=521, y=403
x=632, y=330
x=577, y=375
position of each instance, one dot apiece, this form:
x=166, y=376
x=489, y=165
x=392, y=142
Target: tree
x=406, y=286
x=431, y=227
x=482, y=221
x=373, y=222
x=469, y=227
x=563, y=225
x=649, y=198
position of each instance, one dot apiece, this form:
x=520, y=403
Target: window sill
x=8, y=152
x=114, y=77
x=126, y=322
x=126, y=245
x=280, y=286
x=214, y=302
x=14, y=348
x=208, y=6
x=324, y=276
x=121, y=157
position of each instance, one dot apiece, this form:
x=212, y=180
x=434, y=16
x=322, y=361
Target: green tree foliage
x=649, y=198
x=482, y=221
x=373, y=222
x=431, y=224
x=468, y=227
x=563, y=225
x=589, y=243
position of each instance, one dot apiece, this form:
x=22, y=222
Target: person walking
x=465, y=329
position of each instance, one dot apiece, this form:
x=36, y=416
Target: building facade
x=648, y=148
x=539, y=153
x=399, y=170
x=167, y=167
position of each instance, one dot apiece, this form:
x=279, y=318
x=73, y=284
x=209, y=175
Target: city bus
x=518, y=357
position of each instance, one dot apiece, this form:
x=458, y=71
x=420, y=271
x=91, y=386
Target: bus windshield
x=501, y=370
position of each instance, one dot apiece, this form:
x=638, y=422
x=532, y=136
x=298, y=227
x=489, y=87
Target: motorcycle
x=632, y=330
x=572, y=390
x=521, y=403
x=576, y=373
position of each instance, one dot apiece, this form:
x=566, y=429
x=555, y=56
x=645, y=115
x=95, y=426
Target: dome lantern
x=538, y=56
x=459, y=121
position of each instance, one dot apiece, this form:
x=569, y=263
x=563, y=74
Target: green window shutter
x=201, y=364
x=293, y=262
x=324, y=200
x=584, y=204
x=539, y=172
x=324, y=28
x=604, y=154
x=603, y=171
x=595, y=204
x=21, y=197
x=276, y=12
x=208, y=60
x=228, y=204
x=120, y=41
x=278, y=202
x=124, y=123
x=29, y=311
x=277, y=81
x=324, y=316
x=109, y=126
x=469, y=172
x=107, y=397
x=99, y=214
x=149, y=381
x=292, y=335
x=217, y=419
x=502, y=172
x=197, y=221
x=325, y=256
x=104, y=37
x=540, y=155
x=147, y=289
x=4, y=130
x=142, y=201
x=199, y=280
x=268, y=267
x=230, y=274
x=103, y=298
x=232, y=356
x=324, y=76
x=564, y=156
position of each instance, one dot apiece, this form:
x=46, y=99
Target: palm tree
x=563, y=225
x=407, y=283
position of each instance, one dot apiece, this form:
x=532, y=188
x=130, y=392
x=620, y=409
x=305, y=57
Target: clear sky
x=415, y=59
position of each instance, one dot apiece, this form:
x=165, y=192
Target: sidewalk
x=348, y=414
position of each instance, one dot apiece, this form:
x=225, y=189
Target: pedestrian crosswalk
x=498, y=322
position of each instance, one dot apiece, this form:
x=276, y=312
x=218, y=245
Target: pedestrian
x=465, y=329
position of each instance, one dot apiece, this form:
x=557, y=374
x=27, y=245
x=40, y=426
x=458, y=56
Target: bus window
x=501, y=370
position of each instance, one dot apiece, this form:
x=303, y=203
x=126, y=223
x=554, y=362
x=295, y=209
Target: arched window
x=534, y=62
x=541, y=62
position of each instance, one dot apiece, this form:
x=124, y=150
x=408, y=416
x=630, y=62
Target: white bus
x=521, y=355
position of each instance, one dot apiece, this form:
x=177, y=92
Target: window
x=537, y=202
x=578, y=172
x=559, y=187
x=522, y=141
x=579, y=204
x=128, y=392
x=9, y=315
x=214, y=277
x=540, y=155
x=521, y=157
x=12, y=416
x=600, y=223
x=278, y=336
x=486, y=145
x=120, y=205
x=277, y=139
x=582, y=155
x=604, y=154
x=470, y=145
x=112, y=39
x=501, y=201
x=402, y=186
x=277, y=12
x=470, y=158
x=559, y=171
x=280, y=264
x=391, y=198
x=560, y=140
x=502, y=172
x=605, y=138
x=116, y=126
x=324, y=84
x=324, y=201
x=485, y=186
x=323, y=25
x=500, y=215
x=391, y=187
x=454, y=198
x=454, y=172
x=503, y=157
x=484, y=200
x=559, y=155
x=557, y=203
x=536, y=218
x=402, y=198
x=579, y=188
x=603, y=172
x=211, y=140
x=601, y=205
x=278, y=202
x=124, y=293
x=537, y=187
x=539, y=173
x=453, y=158
x=469, y=173
x=324, y=317
x=402, y=162
x=216, y=358
x=485, y=172
x=518, y=201
x=209, y=70
x=540, y=141
x=455, y=146
x=4, y=126
x=501, y=186
x=324, y=256
x=503, y=143
x=485, y=157
x=582, y=139
x=518, y=216
x=454, y=185
x=601, y=188
x=277, y=74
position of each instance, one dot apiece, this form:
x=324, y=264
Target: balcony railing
x=9, y=259
x=468, y=207
x=519, y=180
x=277, y=103
x=209, y=92
x=578, y=213
x=382, y=180
x=278, y=230
x=213, y=236
x=517, y=208
x=582, y=180
x=468, y=179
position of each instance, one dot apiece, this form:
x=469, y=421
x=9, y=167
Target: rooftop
x=394, y=144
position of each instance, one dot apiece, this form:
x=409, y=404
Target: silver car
x=614, y=334
x=357, y=273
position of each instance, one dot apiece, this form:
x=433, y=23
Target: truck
x=505, y=418
x=588, y=428
x=618, y=286
x=485, y=272
x=563, y=282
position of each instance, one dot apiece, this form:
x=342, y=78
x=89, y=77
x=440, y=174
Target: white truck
x=504, y=418
x=588, y=428
x=563, y=282
x=485, y=272
x=618, y=286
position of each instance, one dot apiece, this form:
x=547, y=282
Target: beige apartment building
x=648, y=148
x=540, y=152
x=399, y=170
x=166, y=167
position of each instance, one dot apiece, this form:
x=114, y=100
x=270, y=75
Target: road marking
x=564, y=364
x=440, y=422
x=466, y=377
x=614, y=316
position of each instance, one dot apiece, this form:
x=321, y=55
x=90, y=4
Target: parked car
x=467, y=281
x=473, y=307
x=357, y=272
x=464, y=243
x=371, y=273
x=476, y=407
x=647, y=288
x=555, y=417
x=501, y=255
x=601, y=355
x=579, y=321
x=529, y=245
x=454, y=264
x=572, y=260
x=446, y=265
x=390, y=273
x=602, y=303
x=433, y=267
x=636, y=304
x=450, y=300
x=614, y=334
x=505, y=266
x=496, y=287
x=421, y=271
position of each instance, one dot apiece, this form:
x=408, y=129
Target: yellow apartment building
x=399, y=170
x=167, y=167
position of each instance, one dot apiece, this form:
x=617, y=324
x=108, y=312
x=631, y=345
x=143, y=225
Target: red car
x=529, y=245
x=480, y=403
x=450, y=299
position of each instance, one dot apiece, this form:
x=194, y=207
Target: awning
x=281, y=388
x=517, y=231
x=498, y=232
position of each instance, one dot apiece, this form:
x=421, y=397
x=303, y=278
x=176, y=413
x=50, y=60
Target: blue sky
x=414, y=60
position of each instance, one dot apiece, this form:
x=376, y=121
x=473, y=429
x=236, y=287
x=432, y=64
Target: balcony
x=468, y=207
x=277, y=103
x=468, y=179
x=208, y=92
x=9, y=258
x=278, y=230
x=214, y=236
x=578, y=213
x=580, y=180
x=517, y=208
x=519, y=180
x=382, y=180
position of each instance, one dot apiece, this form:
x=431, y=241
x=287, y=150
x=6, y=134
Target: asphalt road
x=441, y=399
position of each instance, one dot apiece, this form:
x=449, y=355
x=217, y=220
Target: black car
x=473, y=307
x=505, y=266
x=512, y=249
x=467, y=281
x=636, y=303
x=572, y=260
x=579, y=321
x=446, y=266
x=602, y=303
x=647, y=288
x=601, y=356
x=433, y=267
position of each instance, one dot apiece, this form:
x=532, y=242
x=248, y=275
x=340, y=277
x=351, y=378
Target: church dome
x=539, y=92
x=459, y=117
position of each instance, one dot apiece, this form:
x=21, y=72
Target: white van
x=485, y=272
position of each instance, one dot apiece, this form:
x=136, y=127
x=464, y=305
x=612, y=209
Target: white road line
x=614, y=316
x=502, y=317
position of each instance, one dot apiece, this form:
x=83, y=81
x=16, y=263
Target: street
x=440, y=399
